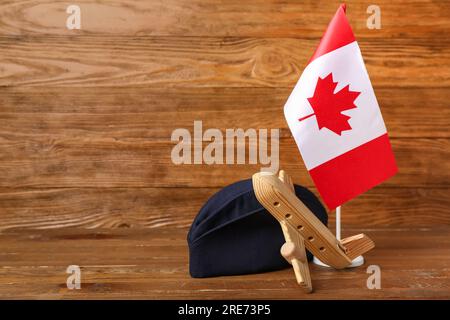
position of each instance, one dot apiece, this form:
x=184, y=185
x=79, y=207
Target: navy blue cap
x=234, y=234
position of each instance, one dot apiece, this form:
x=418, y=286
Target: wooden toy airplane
x=301, y=228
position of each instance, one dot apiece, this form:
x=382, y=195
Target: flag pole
x=358, y=261
x=338, y=223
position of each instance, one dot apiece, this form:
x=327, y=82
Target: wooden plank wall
x=86, y=115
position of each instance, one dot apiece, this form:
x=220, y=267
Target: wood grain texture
x=153, y=113
x=93, y=61
x=85, y=124
x=255, y=18
x=357, y=245
x=52, y=161
x=153, y=264
x=138, y=208
x=294, y=251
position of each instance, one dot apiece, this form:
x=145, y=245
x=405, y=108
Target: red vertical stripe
x=338, y=34
x=355, y=172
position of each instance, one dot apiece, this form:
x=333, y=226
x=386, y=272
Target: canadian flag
x=336, y=121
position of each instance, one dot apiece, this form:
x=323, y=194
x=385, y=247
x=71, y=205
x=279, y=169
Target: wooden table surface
x=86, y=118
x=153, y=264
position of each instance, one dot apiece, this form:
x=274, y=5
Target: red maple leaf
x=328, y=106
